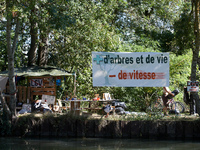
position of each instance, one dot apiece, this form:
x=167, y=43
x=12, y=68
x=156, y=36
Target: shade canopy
x=38, y=71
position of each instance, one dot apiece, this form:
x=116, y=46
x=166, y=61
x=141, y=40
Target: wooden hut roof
x=38, y=71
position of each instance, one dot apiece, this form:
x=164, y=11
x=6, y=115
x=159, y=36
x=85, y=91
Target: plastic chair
x=61, y=107
x=106, y=96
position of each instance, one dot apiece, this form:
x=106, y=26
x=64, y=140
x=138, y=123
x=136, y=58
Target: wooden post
x=29, y=94
x=74, y=85
x=20, y=93
x=24, y=94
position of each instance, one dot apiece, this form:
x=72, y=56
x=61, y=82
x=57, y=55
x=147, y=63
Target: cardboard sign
x=48, y=99
x=193, y=86
x=36, y=82
x=125, y=69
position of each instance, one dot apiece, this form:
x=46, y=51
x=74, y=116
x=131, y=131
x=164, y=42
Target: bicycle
x=179, y=107
x=157, y=106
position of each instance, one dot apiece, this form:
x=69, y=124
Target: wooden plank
x=44, y=93
x=24, y=94
x=52, y=91
x=93, y=108
x=42, y=89
x=47, y=81
x=20, y=93
x=75, y=105
x=29, y=94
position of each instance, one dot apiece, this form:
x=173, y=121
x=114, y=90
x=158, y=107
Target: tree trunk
x=43, y=50
x=196, y=54
x=11, y=51
x=33, y=33
x=5, y=107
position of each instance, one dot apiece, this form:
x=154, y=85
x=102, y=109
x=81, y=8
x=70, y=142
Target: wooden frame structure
x=27, y=94
x=48, y=86
x=38, y=81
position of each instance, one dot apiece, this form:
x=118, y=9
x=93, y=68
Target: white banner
x=193, y=86
x=136, y=69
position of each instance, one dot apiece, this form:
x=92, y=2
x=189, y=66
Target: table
x=75, y=105
x=97, y=106
x=93, y=105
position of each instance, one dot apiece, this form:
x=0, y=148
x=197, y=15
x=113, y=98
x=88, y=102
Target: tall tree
x=195, y=96
x=11, y=14
x=93, y=31
x=33, y=32
x=45, y=16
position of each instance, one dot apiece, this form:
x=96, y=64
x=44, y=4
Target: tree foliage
x=64, y=33
x=71, y=49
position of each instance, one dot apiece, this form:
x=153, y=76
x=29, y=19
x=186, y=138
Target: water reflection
x=94, y=144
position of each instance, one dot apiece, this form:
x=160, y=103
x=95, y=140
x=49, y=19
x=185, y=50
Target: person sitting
x=42, y=106
x=166, y=93
x=107, y=109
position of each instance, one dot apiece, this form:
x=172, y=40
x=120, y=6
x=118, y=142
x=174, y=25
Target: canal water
x=95, y=144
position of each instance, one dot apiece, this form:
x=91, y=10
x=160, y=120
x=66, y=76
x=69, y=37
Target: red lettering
x=149, y=75
x=124, y=76
x=153, y=75
x=120, y=75
x=145, y=75
x=139, y=75
x=130, y=75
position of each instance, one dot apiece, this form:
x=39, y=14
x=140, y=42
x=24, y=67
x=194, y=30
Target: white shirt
x=166, y=91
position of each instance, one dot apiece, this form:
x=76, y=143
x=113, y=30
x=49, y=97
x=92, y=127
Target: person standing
x=166, y=92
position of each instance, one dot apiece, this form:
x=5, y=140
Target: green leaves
x=75, y=28
x=58, y=15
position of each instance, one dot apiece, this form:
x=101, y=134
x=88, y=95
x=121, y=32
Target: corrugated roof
x=38, y=71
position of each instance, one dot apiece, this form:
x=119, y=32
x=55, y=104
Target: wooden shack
x=33, y=82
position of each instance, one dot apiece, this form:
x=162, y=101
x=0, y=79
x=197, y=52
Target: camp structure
x=35, y=81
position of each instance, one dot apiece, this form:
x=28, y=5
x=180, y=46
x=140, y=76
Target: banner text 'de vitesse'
x=139, y=69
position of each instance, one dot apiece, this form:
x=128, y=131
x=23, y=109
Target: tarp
x=38, y=71
x=3, y=81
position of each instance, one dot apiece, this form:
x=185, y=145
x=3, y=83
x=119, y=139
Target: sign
x=36, y=82
x=48, y=99
x=126, y=69
x=193, y=86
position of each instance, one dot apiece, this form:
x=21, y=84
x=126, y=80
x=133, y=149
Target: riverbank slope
x=70, y=126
